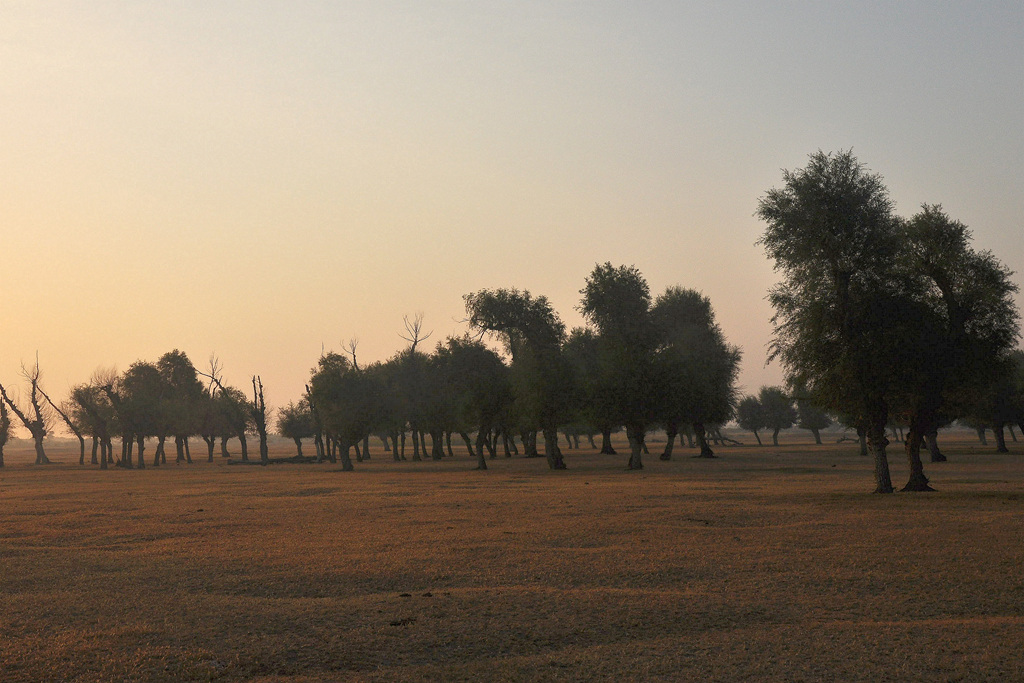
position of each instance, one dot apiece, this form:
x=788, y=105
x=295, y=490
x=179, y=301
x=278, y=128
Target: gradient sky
x=261, y=180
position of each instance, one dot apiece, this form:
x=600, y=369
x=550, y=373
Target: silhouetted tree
x=295, y=421
x=617, y=301
x=750, y=416
x=778, y=409
x=258, y=410
x=532, y=334
x=34, y=418
x=696, y=367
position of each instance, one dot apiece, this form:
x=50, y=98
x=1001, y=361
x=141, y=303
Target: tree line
x=878, y=320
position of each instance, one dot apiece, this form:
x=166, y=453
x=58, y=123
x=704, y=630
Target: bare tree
x=71, y=425
x=36, y=424
x=414, y=330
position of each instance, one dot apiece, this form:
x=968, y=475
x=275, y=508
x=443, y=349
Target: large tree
x=837, y=324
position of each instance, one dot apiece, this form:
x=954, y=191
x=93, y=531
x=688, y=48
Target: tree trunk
x=817, y=436
x=917, y=482
x=931, y=438
x=346, y=461
x=758, y=438
x=635, y=437
x=699, y=434
x=224, y=447
x=997, y=429
x=448, y=444
x=142, y=447
x=862, y=438
x=981, y=436
x=95, y=447
x=245, y=447
x=359, y=453
x=211, y=443
x=1013, y=435
x=436, y=445
x=606, y=442
x=775, y=437
x=415, y=445
x=877, y=443
x=264, y=451
x=159, y=450
x=551, y=450
x=671, y=431
x=37, y=439
x=298, y=445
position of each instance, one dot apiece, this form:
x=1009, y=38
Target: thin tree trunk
x=981, y=436
x=758, y=438
x=817, y=436
x=912, y=445
x=346, y=461
x=142, y=449
x=877, y=443
x=606, y=442
x=997, y=429
x=671, y=431
x=699, y=435
x=775, y=437
x=636, y=439
x=931, y=438
x=95, y=446
x=298, y=445
x=551, y=450
x=862, y=438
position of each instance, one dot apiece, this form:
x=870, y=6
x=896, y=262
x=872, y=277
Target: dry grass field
x=766, y=564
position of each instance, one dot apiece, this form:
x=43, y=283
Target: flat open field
x=766, y=564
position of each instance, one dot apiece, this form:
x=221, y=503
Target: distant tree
x=595, y=407
x=184, y=403
x=617, y=301
x=92, y=409
x=478, y=390
x=258, y=410
x=541, y=377
x=779, y=412
x=69, y=423
x=750, y=416
x=810, y=416
x=295, y=421
x=696, y=367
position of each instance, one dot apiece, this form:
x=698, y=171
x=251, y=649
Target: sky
x=265, y=180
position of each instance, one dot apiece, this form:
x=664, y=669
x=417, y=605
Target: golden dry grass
x=767, y=564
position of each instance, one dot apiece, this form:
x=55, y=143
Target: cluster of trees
x=162, y=400
x=642, y=363
x=880, y=318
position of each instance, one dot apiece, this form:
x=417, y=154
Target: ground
x=766, y=564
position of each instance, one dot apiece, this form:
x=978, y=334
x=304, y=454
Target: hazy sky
x=260, y=179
